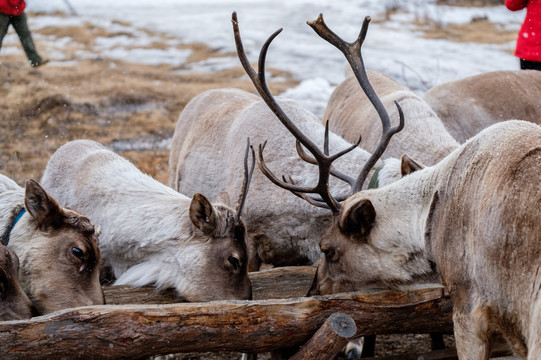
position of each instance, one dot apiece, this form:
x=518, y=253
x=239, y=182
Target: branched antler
x=247, y=179
x=352, y=52
x=323, y=160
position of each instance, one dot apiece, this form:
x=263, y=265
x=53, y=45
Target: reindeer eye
x=234, y=261
x=78, y=253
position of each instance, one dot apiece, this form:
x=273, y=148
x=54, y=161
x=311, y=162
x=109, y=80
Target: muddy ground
x=120, y=103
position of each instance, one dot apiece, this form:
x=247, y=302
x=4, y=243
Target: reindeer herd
x=385, y=195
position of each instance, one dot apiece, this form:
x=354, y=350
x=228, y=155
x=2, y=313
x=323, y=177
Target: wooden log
x=282, y=283
x=137, y=331
x=329, y=340
x=279, y=283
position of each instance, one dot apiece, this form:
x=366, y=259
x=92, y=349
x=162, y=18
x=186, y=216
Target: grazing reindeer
x=469, y=105
x=424, y=136
x=282, y=230
x=57, y=247
x=151, y=233
x=14, y=303
x=473, y=220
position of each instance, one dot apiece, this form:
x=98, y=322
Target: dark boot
x=21, y=27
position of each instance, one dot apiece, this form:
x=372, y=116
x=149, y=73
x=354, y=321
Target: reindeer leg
x=472, y=334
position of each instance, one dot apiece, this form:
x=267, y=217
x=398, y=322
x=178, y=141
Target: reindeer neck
x=406, y=203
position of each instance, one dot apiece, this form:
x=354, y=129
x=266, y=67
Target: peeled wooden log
x=329, y=340
x=137, y=331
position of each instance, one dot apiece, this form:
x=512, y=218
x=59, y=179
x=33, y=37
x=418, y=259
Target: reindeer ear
x=408, y=165
x=202, y=213
x=359, y=218
x=42, y=206
x=223, y=197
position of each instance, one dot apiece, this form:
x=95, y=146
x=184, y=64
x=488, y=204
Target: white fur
x=12, y=201
x=213, y=128
x=424, y=136
x=147, y=234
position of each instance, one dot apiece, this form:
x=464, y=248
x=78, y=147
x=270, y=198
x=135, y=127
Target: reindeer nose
x=331, y=253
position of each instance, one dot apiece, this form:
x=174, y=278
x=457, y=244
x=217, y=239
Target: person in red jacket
x=528, y=48
x=12, y=12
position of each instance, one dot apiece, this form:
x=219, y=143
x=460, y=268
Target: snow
x=392, y=45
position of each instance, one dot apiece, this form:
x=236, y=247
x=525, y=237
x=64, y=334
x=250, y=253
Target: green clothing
x=21, y=28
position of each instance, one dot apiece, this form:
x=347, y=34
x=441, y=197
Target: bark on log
x=137, y=331
x=279, y=283
x=329, y=340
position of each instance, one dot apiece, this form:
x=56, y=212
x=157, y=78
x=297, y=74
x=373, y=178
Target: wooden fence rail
x=136, y=331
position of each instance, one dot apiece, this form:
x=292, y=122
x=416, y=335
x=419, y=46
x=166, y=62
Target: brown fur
x=350, y=113
x=58, y=249
x=473, y=219
x=14, y=304
x=469, y=105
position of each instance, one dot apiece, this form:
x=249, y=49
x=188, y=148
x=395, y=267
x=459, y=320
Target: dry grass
x=477, y=31
x=471, y=3
x=101, y=99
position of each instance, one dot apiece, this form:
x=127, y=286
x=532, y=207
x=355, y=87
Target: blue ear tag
x=21, y=213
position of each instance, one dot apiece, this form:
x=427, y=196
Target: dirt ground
x=106, y=100
x=116, y=103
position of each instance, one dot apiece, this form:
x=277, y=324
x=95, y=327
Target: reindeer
x=469, y=105
x=57, y=248
x=471, y=220
x=151, y=233
x=424, y=136
x=15, y=304
x=324, y=162
x=282, y=230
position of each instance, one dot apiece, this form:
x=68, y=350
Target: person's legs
x=21, y=27
x=4, y=24
x=530, y=65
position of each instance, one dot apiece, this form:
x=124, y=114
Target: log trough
x=140, y=322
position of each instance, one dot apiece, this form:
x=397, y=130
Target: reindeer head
x=366, y=248
x=223, y=265
x=15, y=305
x=208, y=260
x=62, y=263
x=228, y=256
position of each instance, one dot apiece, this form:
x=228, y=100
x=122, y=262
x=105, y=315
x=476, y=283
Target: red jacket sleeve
x=515, y=5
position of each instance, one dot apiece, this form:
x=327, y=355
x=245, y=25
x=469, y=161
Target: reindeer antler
x=352, y=52
x=322, y=159
x=247, y=179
